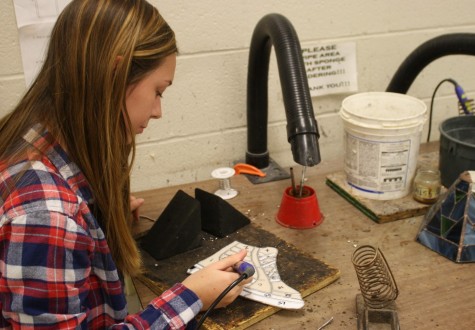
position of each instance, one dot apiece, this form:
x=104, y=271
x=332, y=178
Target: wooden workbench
x=435, y=293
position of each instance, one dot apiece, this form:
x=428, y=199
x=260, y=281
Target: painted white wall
x=204, y=112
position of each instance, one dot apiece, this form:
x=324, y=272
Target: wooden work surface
x=300, y=271
x=435, y=293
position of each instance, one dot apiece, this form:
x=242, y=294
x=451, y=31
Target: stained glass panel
x=449, y=225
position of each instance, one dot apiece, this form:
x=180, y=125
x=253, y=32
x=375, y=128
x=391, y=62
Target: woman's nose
x=157, y=111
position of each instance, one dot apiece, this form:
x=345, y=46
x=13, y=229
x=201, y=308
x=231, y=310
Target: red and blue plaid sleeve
x=56, y=270
x=45, y=264
x=175, y=308
x=54, y=291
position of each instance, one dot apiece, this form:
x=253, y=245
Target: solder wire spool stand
x=223, y=174
x=376, y=303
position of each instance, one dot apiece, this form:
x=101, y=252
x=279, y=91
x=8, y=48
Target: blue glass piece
x=439, y=245
x=447, y=205
x=458, y=209
x=434, y=224
x=469, y=237
x=453, y=234
x=462, y=186
x=471, y=209
x=468, y=254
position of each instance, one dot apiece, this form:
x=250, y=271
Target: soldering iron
x=245, y=270
x=465, y=104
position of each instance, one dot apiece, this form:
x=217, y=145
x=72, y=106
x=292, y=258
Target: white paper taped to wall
x=35, y=20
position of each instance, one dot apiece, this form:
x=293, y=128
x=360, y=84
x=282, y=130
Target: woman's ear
x=118, y=59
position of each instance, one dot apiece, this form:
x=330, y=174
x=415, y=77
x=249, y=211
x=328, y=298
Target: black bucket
x=457, y=148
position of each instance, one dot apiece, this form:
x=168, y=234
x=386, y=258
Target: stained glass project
x=449, y=225
x=266, y=286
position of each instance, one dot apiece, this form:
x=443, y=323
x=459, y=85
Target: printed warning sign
x=331, y=68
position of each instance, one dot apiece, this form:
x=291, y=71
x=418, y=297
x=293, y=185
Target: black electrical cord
x=220, y=297
x=432, y=103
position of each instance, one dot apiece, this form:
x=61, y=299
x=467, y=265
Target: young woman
x=66, y=152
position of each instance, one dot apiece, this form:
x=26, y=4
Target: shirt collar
x=41, y=139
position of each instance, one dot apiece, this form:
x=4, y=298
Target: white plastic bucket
x=382, y=138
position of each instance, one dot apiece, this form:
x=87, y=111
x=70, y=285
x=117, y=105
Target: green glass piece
x=445, y=225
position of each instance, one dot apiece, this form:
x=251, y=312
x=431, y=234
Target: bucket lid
x=384, y=110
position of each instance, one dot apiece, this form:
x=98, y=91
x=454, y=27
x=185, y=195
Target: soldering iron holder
x=299, y=209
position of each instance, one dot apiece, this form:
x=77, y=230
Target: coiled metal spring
x=376, y=280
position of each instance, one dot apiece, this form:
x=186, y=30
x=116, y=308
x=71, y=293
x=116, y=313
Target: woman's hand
x=135, y=203
x=209, y=282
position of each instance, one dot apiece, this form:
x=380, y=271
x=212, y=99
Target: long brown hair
x=97, y=49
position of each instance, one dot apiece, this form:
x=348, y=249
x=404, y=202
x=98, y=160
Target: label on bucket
x=376, y=166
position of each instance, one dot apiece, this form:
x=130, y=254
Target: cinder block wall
x=204, y=112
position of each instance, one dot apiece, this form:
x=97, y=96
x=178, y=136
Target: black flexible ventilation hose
x=302, y=131
x=447, y=44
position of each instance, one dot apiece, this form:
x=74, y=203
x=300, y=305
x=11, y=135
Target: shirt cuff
x=179, y=303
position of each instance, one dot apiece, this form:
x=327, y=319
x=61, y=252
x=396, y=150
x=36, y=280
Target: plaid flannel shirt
x=56, y=270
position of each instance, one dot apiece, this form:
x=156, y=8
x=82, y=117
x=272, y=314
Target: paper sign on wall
x=35, y=20
x=331, y=68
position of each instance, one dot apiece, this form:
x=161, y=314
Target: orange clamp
x=248, y=169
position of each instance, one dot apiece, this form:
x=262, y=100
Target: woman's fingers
x=210, y=281
x=135, y=204
x=227, y=263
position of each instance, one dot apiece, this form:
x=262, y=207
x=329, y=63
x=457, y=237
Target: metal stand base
x=369, y=317
x=273, y=173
